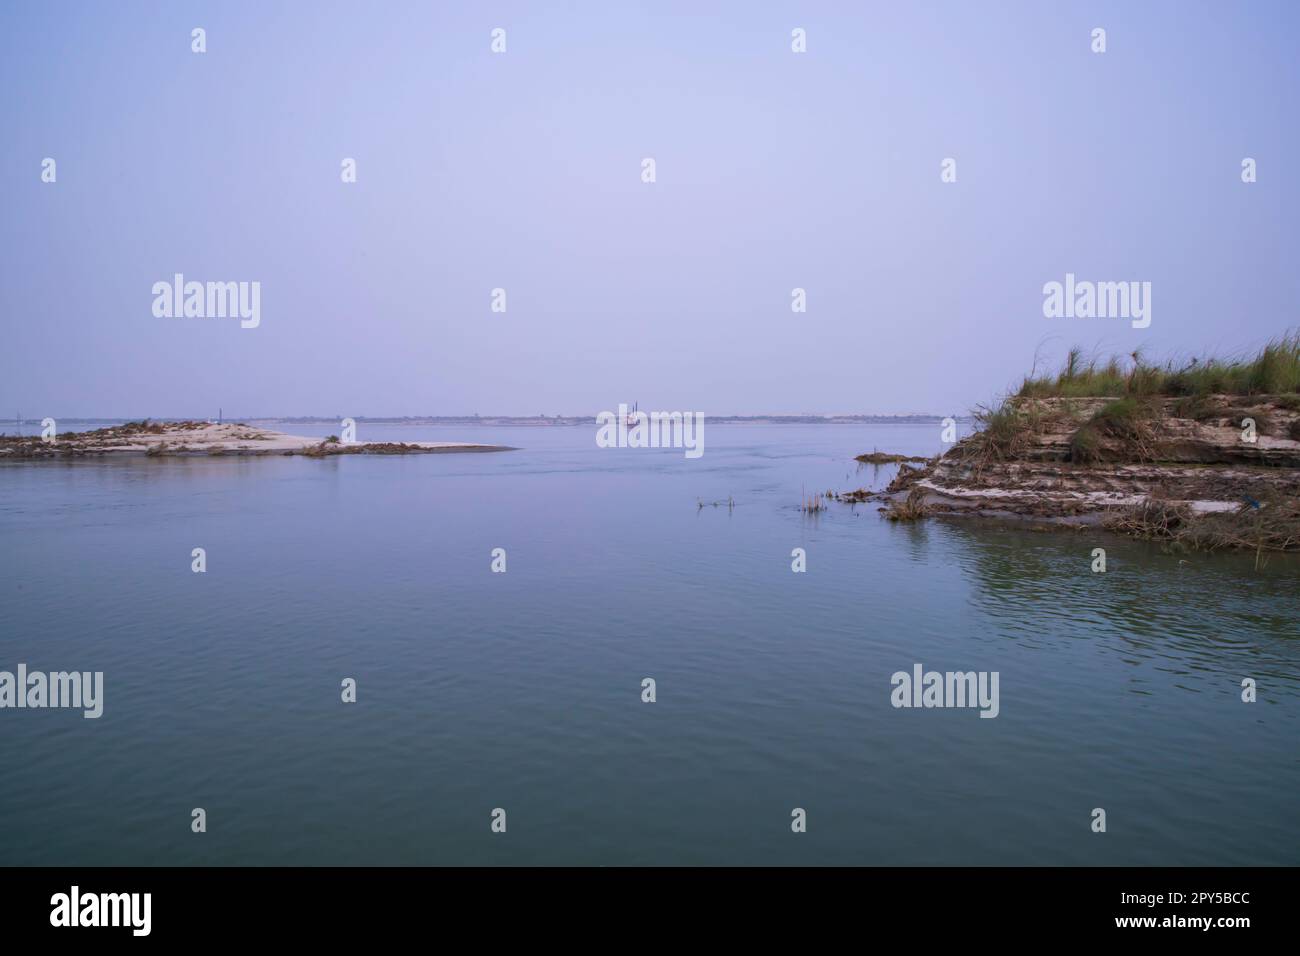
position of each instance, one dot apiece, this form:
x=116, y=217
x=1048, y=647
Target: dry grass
x=911, y=508
x=1007, y=432
x=1274, y=526
x=906, y=477
x=1153, y=518
x=814, y=504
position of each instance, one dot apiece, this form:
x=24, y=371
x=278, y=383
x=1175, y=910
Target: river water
x=523, y=690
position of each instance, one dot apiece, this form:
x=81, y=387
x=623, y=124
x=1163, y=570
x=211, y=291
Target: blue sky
x=521, y=171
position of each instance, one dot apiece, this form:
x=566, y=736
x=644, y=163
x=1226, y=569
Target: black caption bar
x=335, y=905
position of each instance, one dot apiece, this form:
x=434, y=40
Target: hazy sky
x=522, y=171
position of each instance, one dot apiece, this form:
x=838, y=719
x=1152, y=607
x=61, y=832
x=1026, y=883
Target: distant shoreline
x=513, y=420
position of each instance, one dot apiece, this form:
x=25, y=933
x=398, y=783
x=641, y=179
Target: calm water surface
x=522, y=690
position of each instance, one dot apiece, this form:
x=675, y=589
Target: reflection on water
x=1198, y=616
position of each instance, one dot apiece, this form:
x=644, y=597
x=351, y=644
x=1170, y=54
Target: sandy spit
x=171, y=439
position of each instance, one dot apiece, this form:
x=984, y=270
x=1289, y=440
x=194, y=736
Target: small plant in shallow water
x=812, y=504
x=730, y=503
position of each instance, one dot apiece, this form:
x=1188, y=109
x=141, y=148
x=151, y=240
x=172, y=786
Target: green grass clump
x=1006, y=432
x=1124, y=427
x=1079, y=379
x=1122, y=418
x=1274, y=370
x=1002, y=430
x=1198, y=407
x=1085, y=446
x=1125, y=423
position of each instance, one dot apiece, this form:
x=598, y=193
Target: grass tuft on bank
x=1274, y=370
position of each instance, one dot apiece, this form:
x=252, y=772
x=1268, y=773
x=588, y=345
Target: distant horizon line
x=792, y=417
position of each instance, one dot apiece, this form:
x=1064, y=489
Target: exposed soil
x=1164, y=468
